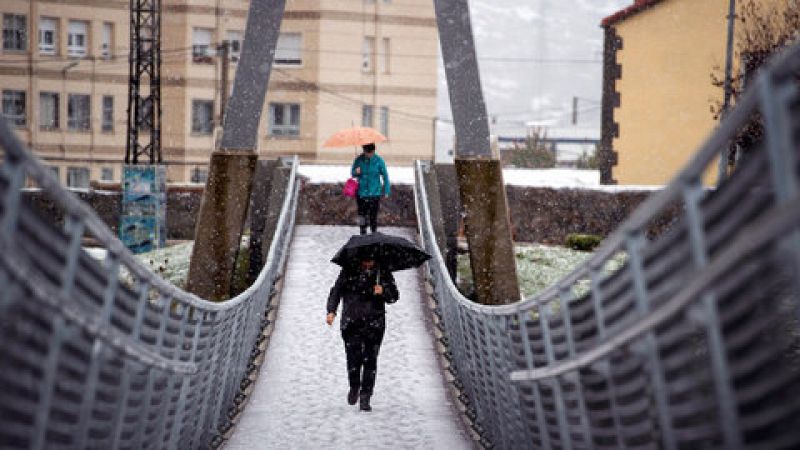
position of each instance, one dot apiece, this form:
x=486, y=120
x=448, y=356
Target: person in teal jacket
x=373, y=183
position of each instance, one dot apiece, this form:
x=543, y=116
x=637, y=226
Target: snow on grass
x=539, y=267
x=171, y=263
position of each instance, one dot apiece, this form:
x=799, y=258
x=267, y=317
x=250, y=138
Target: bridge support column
x=269, y=191
x=219, y=223
x=488, y=230
x=447, y=182
x=480, y=173
x=227, y=195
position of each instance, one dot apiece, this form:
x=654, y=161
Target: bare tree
x=763, y=29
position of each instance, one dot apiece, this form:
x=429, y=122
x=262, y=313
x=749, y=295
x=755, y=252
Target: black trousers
x=362, y=342
x=368, y=213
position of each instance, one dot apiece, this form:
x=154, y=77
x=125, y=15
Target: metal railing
x=90, y=359
x=693, y=342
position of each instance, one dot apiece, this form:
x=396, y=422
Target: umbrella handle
x=380, y=258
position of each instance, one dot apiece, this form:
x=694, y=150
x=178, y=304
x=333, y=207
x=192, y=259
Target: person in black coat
x=365, y=293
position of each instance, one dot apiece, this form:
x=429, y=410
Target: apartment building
x=339, y=63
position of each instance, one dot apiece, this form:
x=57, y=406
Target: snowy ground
x=299, y=401
x=172, y=262
x=553, y=178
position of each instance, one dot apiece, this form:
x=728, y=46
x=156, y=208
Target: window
x=234, y=39
x=56, y=172
x=107, y=174
x=385, y=121
x=366, y=115
x=78, y=112
x=199, y=175
x=108, y=113
x=201, y=45
x=78, y=177
x=48, y=35
x=385, y=54
x=107, y=44
x=15, y=32
x=367, y=48
x=77, y=38
x=284, y=119
x=289, y=50
x=14, y=107
x=202, y=116
x=48, y=110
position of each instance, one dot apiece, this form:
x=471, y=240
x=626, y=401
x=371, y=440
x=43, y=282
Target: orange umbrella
x=354, y=136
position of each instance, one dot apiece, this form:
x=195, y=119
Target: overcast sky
x=534, y=56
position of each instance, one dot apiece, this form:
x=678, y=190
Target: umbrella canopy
x=354, y=136
x=389, y=252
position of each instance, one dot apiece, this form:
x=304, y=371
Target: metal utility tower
x=144, y=108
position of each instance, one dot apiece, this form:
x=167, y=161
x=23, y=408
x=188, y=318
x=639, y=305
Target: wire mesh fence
x=693, y=342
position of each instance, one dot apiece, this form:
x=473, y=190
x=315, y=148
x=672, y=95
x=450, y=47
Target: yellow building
x=64, y=72
x=657, y=92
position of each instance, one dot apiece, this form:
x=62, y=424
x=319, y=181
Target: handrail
x=181, y=357
x=670, y=317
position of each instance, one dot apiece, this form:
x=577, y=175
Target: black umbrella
x=391, y=253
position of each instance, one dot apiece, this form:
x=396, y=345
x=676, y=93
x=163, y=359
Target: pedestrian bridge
x=692, y=343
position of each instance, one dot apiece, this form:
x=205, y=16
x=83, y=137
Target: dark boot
x=352, y=396
x=364, y=406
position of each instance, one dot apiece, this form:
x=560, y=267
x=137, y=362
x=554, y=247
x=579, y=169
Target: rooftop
x=636, y=7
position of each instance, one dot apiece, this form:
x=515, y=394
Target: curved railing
x=693, y=342
x=92, y=359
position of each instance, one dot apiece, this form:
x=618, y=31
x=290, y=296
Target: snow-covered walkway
x=299, y=401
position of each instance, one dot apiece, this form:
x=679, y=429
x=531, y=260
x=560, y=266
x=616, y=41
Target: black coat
x=360, y=303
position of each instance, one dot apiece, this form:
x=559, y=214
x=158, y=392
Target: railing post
x=148, y=390
x=211, y=361
x=11, y=200
x=541, y=422
x=89, y=393
x=634, y=243
x=181, y=311
x=781, y=153
x=565, y=297
x=728, y=409
x=604, y=367
x=61, y=331
x=563, y=426
x=119, y=413
x=178, y=424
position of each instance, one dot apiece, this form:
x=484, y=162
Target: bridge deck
x=299, y=399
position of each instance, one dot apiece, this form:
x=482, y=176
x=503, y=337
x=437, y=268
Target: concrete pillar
x=259, y=209
x=488, y=230
x=227, y=194
x=219, y=223
x=435, y=205
x=451, y=213
x=269, y=191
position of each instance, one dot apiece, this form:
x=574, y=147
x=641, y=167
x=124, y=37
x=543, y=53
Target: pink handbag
x=350, y=188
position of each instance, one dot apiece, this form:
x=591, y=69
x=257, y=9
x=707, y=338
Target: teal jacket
x=372, y=170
